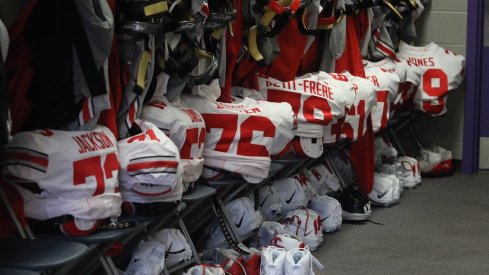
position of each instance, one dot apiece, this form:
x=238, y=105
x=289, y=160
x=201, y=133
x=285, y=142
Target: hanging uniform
x=150, y=166
x=443, y=71
x=387, y=83
x=315, y=102
x=185, y=127
x=242, y=136
x=361, y=151
x=65, y=173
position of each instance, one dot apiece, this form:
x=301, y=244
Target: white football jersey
x=386, y=80
x=150, y=166
x=75, y=172
x=241, y=136
x=332, y=131
x=443, y=71
x=316, y=102
x=408, y=88
x=185, y=127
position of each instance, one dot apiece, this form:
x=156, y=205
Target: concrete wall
x=445, y=23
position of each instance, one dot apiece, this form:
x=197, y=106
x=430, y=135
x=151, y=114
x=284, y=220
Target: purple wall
x=473, y=99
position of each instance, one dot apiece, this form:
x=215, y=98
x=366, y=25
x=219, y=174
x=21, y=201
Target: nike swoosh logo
x=325, y=218
x=264, y=200
x=290, y=199
x=238, y=225
x=383, y=194
x=136, y=260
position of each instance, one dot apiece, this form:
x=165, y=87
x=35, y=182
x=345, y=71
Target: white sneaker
x=408, y=172
x=287, y=241
x=396, y=186
x=267, y=231
x=428, y=162
x=216, y=236
x=309, y=189
x=330, y=212
x=306, y=224
x=291, y=194
x=177, y=248
x=204, y=269
x=270, y=203
x=382, y=191
x=244, y=216
x=272, y=261
x=323, y=179
x=148, y=258
x=299, y=262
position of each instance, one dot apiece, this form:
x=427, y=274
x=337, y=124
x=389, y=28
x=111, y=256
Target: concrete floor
x=442, y=227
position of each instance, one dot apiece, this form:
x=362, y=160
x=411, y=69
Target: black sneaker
x=355, y=204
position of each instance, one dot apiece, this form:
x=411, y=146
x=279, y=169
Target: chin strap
x=334, y=18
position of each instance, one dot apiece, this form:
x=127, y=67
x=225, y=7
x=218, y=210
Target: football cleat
x=272, y=261
x=287, y=241
x=205, y=269
x=252, y=262
x=268, y=230
x=216, y=236
x=291, y=194
x=148, y=258
x=177, y=248
x=408, y=172
x=329, y=210
x=243, y=215
x=306, y=224
x=299, y=261
x=231, y=261
x=354, y=204
x=323, y=179
x=446, y=158
x=396, y=186
x=270, y=203
x=430, y=163
x=383, y=192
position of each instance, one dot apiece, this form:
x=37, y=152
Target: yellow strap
x=392, y=8
x=252, y=44
x=142, y=68
x=216, y=34
x=156, y=8
x=267, y=18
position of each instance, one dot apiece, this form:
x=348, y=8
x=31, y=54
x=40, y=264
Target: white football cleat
x=269, y=230
x=408, y=172
x=323, y=179
x=272, y=261
x=287, y=241
x=306, y=224
x=216, y=236
x=291, y=194
x=430, y=163
x=204, y=269
x=396, y=186
x=148, y=258
x=382, y=191
x=299, y=261
x=243, y=215
x=270, y=203
x=177, y=248
x=330, y=212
